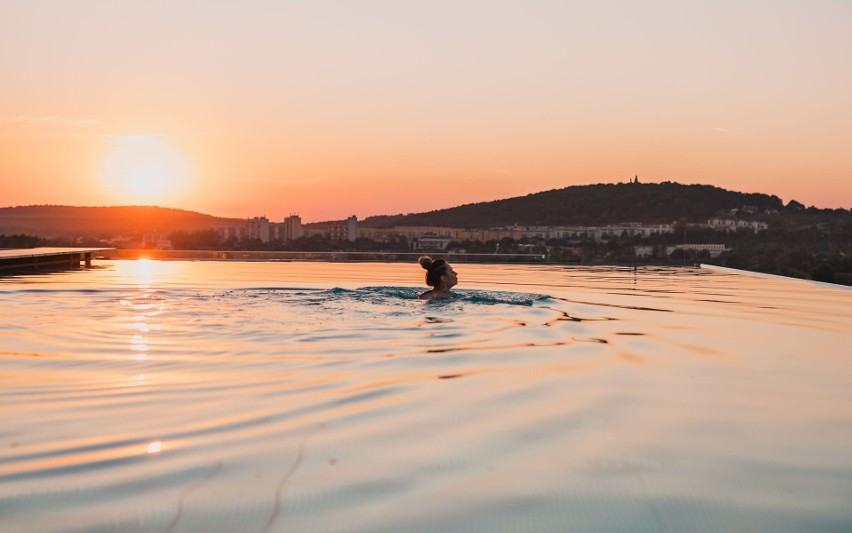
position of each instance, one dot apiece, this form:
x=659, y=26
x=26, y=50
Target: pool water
x=287, y=396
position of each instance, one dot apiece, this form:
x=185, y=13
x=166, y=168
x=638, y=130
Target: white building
x=432, y=243
x=715, y=249
x=598, y=233
x=735, y=224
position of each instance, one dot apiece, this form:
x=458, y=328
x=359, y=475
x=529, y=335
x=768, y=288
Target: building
x=344, y=230
x=292, y=227
x=261, y=229
x=276, y=231
x=337, y=230
x=239, y=232
x=285, y=231
x=258, y=229
x=431, y=243
x=534, y=233
x=735, y=224
x=481, y=235
x=715, y=249
x=409, y=232
x=597, y=233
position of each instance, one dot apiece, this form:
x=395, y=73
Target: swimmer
x=440, y=276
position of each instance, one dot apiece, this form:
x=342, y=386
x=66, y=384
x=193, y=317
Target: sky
x=334, y=108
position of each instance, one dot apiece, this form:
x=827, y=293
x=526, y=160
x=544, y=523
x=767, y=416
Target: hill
x=589, y=205
x=58, y=221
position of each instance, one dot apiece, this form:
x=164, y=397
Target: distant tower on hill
x=636, y=179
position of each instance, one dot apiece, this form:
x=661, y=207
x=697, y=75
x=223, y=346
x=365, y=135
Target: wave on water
x=376, y=295
x=392, y=295
x=191, y=396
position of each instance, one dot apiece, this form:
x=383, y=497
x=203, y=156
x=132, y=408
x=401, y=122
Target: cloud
x=52, y=121
x=145, y=138
x=50, y=126
x=725, y=130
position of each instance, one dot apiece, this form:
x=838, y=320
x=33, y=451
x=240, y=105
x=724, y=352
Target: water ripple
x=173, y=396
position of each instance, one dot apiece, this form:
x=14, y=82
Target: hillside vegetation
x=589, y=205
x=55, y=221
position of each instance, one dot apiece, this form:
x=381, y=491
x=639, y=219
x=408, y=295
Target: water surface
x=259, y=396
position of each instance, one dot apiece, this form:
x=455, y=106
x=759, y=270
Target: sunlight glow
x=143, y=271
x=145, y=170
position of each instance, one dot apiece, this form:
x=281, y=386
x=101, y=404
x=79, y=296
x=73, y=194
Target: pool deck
x=34, y=258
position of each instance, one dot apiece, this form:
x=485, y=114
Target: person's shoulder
x=435, y=295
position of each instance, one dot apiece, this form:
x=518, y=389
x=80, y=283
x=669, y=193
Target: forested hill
x=56, y=221
x=589, y=205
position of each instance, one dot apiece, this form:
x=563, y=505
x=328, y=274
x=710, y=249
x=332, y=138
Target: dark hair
x=434, y=270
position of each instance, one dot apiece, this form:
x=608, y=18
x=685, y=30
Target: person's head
x=439, y=273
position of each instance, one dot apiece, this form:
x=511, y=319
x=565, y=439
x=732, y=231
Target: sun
x=144, y=170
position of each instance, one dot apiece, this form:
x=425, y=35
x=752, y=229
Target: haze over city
x=377, y=107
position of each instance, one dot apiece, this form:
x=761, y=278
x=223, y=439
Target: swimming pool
x=260, y=396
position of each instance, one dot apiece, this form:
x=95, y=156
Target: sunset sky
x=334, y=108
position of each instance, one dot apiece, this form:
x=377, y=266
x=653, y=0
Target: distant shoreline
x=392, y=257
x=260, y=255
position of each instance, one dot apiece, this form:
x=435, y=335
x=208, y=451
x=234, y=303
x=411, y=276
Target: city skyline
x=383, y=107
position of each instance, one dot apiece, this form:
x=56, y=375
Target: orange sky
x=329, y=109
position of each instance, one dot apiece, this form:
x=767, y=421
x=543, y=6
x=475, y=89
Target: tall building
x=258, y=228
x=292, y=227
x=285, y=231
x=351, y=228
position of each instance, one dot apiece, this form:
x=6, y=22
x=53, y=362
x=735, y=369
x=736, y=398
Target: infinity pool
x=258, y=396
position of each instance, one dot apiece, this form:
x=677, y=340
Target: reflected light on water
x=144, y=271
x=139, y=343
x=155, y=447
x=298, y=396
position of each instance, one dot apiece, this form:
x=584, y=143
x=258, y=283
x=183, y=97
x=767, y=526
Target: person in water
x=440, y=276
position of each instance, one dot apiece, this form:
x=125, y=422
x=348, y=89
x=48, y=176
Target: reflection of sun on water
x=154, y=447
x=144, y=170
x=143, y=271
x=139, y=343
